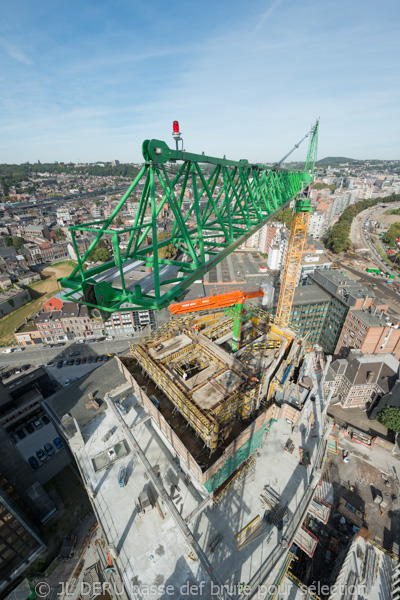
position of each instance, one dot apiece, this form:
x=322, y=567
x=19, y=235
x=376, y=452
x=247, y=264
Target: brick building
x=62, y=321
x=371, y=331
x=361, y=379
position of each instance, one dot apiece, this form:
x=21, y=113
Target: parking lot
x=75, y=371
x=35, y=441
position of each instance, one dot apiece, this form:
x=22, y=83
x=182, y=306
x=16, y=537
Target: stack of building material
x=269, y=497
x=305, y=458
x=254, y=530
x=332, y=445
x=350, y=513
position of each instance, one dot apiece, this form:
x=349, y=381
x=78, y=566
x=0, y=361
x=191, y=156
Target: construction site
x=212, y=404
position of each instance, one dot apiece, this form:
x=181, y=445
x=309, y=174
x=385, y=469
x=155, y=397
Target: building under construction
x=212, y=405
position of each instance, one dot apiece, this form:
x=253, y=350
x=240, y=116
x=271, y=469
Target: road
x=358, y=237
x=37, y=355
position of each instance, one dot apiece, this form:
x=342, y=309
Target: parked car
x=58, y=443
x=71, y=362
x=49, y=364
x=8, y=350
x=65, y=362
x=19, y=349
x=29, y=427
x=49, y=449
x=89, y=360
x=59, y=364
x=90, y=341
x=80, y=342
x=33, y=462
x=59, y=345
x=45, y=419
x=47, y=346
x=38, y=424
x=25, y=367
x=109, y=338
x=74, y=354
x=95, y=359
x=84, y=359
x=67, y=382
x=78, y=361
x=20, y=434
x=41, y=455
x=75, y=379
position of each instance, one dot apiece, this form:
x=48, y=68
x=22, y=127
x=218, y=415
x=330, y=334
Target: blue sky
x=87, y=81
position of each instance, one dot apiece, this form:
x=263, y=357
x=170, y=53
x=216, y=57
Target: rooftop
x=73, y=399
x=371, y=319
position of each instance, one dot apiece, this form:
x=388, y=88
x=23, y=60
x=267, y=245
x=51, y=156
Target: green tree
x=390, y=418
x=60, y=235
x=392, y=234
x=99, y=255
x=284, y=216
x=8, y=241
x=167, y=251
x=338, y=238
x=18, y=242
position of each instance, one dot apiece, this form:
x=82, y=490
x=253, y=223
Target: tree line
x=339, y=236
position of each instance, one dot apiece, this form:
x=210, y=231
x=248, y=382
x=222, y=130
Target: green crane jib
x=231, y=200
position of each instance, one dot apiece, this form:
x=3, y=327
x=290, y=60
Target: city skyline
x=92, y=82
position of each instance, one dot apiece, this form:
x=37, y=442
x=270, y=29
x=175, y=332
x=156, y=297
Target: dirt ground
x=367, y=482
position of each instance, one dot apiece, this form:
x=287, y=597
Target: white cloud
x=16, y=53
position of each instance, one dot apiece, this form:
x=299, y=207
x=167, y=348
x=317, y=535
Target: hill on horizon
x=335, y=160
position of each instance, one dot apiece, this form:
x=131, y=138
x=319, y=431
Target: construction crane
x=297, y=238
x=230, y=201
x=234, y=299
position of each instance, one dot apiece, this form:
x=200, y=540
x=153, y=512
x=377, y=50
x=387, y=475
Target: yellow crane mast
x=297, y=238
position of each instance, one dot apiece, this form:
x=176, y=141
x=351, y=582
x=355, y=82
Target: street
x=37, y=355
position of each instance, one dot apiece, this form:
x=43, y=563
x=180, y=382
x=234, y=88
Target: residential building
x=319, y=315
x=316, y=225
x=61, y=321
x=309, y=264
x=371, y=331
x=361, y=379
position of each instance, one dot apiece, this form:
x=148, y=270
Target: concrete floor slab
x=170, y=346
x=215, y=390
x=151, y=551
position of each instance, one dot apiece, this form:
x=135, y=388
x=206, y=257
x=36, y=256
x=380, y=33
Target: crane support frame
x=231, y=200
x=291, y=268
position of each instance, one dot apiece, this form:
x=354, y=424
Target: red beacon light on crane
x=176, y=133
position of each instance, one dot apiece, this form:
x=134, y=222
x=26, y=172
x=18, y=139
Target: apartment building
x=316, y=225
x=371, y=331
x=319, y=315
x=361, y=379
x=61, y=321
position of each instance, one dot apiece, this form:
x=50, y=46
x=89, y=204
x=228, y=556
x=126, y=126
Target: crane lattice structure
x=297, y=238
x=231, y=200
